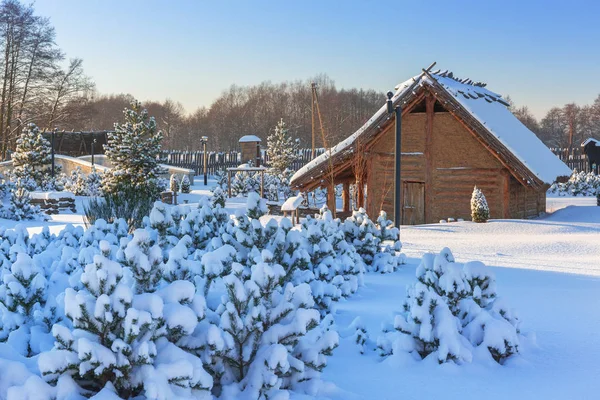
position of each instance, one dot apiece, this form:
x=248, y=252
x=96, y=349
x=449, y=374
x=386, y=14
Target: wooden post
x=331, y=199
x=346, y=197
x=506, y=195
x=262, y=184
x=229, y=183
x=360, y=190
x=429, y=109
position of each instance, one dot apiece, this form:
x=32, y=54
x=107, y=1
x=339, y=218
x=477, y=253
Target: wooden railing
x=574, y=158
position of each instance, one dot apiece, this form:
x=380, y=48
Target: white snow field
x=548, y=269
x=544, y=268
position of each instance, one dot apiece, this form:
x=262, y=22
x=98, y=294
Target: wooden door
x=413, y=207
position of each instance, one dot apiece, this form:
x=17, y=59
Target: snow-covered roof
x=249, y=138
x=485, y=106
x=591, y=140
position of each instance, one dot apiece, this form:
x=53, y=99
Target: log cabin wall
x=526, y=202
x=449, y=163
x=380, y=179
x=459, y=162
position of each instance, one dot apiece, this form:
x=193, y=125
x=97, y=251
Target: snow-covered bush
x=124, y=341
x=480, y=212
x=134, y=152
x=451, y=311
x=77, y=183
x=32, y=158
x=174, y=183
x=579, y=184
x=378, y=244
x=269, y=333
x=129, y=204
x=20, y=205
x=185, y=184
x=218, y=197
x=94, y=183
x=24, y=317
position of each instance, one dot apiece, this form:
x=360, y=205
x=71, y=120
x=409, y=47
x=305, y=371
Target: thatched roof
x=484, y=112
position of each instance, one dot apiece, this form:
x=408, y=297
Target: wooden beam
x=360, y=194
x=429, y=109
x=346, y=197
x=506, y=195
x=331, y=199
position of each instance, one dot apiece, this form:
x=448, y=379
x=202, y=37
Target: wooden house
x=456, y=134
x=591, y=149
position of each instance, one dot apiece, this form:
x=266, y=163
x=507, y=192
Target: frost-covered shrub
x=450, y=311
x=127, y=342
x=134, y=152
x=94, y=183
x=32, y=158
x=129, y=204
x=25, y=318
x=174, y=183
x=272, y=340
x=579, y=184
x=218, y=197
x=77, y=183
x=185, y=184
x=480, y=212
x=20, y=205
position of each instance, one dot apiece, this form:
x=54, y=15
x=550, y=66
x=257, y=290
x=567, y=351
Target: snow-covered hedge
x=452, y=313
x=579, y=184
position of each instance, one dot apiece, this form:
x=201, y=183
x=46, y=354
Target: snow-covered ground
x=547, y=268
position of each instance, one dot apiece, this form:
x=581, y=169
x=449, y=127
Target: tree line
x=38, y=84
x=566, y=126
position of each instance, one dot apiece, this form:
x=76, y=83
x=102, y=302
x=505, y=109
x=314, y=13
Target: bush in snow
x=272, y=340
x=174, y=183
x=129, y=204
x=218, y=197
x=185, y=184
x=20, y=205
x=23, y=313
x=77, y=183
x=579, y=184
x=480, y=212
x=32, y=158
x=450, y=313
x=126, y=342
x=94, y=183
x=257, y=206
x=134, y=151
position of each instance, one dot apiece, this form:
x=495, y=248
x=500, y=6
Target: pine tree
x=218, y=197
x=127, y=342
x=257, y=207
x=145, y=260
x=281, y=148
x=134, y=151
x=480, y=212
x=174, y=183
x=32, y=157
x=94, y=183
x=185, y=184
x=77, y=183
x=20, y=204
x=22, y=300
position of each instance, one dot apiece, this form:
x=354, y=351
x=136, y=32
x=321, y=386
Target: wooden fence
x=217, y=161
x=574, y=158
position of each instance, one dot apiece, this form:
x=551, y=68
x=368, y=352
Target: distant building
x=591, y=148
x=455, y=134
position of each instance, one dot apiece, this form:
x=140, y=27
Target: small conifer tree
x=32, y=158
x=185, y=184
x=480, y=212
x=174, y=184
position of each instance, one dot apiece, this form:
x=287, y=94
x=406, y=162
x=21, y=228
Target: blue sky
x=541, y=53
